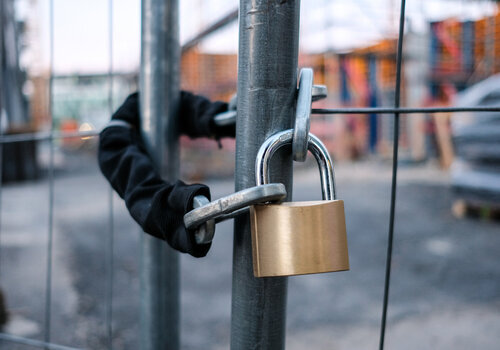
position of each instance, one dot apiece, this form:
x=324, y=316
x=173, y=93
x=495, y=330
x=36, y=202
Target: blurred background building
x=442, y=57
x=449, y=46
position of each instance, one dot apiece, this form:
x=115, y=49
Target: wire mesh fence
x=50, y=137
x=53, y=138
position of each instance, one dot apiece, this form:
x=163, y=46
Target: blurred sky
x=81, y=27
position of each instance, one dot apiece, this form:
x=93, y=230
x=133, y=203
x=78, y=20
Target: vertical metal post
x=1, y=127
x=14, y=103
x=110, y=238
x=2, y=55
x=267, y=78
x=159, y=89
x=50, y=233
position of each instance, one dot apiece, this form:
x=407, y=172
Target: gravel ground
x=445, y=287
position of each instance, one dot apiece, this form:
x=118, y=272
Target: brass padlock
x=295, y=238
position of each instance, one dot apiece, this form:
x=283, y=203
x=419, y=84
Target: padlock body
x=295, y=238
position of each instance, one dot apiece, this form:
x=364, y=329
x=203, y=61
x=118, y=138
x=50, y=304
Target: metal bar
x=47, y=136
x=94, y=75
x=13, y=81
x=1, y=125
x=229, y=18
x=110, y=240
x=404, y=110
x=159, y=87
x=44, y=136
x=220, y=208
x=40, y=136
x=267, y=87
x=110, y=271
x=35, y=343
x=397, y=102
x=50, y=234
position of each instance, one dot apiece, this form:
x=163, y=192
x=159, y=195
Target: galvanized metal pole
x=159, y=88
x=267, y=78
x=2, y=57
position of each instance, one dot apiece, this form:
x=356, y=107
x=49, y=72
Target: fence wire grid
x=53, y=135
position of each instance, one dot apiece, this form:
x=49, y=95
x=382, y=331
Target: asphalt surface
x=445, y=287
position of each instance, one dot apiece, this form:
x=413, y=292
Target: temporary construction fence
x=258, y=313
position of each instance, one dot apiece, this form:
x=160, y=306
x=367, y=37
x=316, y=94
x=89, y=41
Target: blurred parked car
x=476, y=136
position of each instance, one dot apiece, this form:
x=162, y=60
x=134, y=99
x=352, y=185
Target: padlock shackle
x=315, y=146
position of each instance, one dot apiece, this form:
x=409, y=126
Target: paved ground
x=445, y=290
